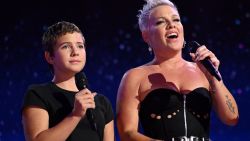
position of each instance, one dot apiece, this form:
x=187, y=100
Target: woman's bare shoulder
x=139, y=71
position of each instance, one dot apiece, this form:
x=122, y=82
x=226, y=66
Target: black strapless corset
x=165, y=113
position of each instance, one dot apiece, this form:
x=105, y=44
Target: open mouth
x=172, y=35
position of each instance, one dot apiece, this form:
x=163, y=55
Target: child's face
x=69, y=53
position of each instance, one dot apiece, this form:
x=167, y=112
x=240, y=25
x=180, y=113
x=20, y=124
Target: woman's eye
x=177, y=20
x=159, y=22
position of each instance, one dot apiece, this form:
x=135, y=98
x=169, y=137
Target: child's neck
x=66, y=83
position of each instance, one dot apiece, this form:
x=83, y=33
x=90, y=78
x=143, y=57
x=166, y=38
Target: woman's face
x=164, y=31
x=69, y=53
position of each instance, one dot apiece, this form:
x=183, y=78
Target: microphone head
x=192, y=46
x=81, y=81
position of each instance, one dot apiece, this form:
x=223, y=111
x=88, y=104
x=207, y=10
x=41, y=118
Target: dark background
x=114, y=45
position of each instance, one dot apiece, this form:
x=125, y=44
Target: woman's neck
x=169, y=62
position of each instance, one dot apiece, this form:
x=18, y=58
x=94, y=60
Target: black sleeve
x=109, y=116
x=33, y=97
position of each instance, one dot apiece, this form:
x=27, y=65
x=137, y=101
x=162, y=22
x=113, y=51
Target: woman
x=57, y=110
x=171, y=97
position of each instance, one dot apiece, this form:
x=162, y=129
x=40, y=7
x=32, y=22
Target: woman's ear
x=145, y=36
x=48, y=57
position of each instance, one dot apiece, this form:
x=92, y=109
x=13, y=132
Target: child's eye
x=81, y=46
x=66, y=46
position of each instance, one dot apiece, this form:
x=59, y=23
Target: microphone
x=82, y=83
x=193, y=46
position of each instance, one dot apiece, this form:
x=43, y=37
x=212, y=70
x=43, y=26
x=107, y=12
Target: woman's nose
x=171, y=25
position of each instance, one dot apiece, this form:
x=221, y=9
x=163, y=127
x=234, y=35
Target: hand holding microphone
x=85, y=99
x=205, y=57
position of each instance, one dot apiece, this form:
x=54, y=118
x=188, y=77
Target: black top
x=59, y=104
x=165, y=113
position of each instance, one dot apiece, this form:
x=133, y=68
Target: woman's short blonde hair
x=147, y=7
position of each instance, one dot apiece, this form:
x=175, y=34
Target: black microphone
x=82, y=83
x=193, y=46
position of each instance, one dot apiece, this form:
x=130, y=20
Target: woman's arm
x=128, y=106
x=223, y=101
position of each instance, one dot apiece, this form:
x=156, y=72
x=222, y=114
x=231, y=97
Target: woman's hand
x=201, y=53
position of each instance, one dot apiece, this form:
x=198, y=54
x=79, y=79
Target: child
x=57, y=110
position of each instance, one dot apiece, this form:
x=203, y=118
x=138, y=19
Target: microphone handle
x=90, y=114
x=207, y=64
x=193, y=46
x=81, y=83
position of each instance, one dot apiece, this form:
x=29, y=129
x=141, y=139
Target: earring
x=150, y=50
x=184, y=44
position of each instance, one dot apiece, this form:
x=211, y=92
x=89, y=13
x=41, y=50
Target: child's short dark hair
x=54, y=32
